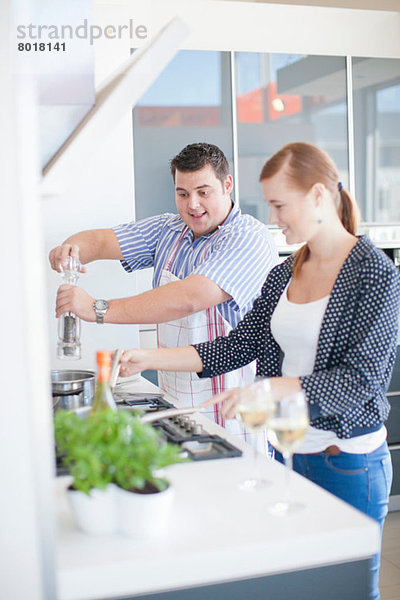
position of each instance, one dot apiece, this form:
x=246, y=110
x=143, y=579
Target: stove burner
x=196, y=443
x=146, y=402
x=208, y=448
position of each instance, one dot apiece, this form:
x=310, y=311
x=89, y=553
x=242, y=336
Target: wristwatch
x=100, y=308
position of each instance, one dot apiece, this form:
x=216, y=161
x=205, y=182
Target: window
x=376, y=84
x=284, y=98
x=280, y=98
x=190, y=102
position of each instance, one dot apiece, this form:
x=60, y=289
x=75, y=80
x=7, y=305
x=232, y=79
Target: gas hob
x=195, y=441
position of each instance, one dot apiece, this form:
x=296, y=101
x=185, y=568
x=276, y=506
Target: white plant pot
x=94, y=513
x=144, y=516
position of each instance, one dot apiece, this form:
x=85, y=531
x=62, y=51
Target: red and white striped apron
x=188, y=388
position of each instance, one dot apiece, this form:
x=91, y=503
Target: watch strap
x=100, y=312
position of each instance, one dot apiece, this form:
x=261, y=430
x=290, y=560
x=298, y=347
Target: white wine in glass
x=254, y=410
x=286, y=431
x=286, y=435
x=253, y=416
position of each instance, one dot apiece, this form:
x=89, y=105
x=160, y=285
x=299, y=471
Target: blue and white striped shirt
x=237, y=258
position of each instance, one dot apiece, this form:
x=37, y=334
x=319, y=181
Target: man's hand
x=87, y=246
x=59, y=255
x=71, y=298
x=133, y=361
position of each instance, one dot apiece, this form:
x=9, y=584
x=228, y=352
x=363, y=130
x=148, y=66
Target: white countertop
x=217, y=533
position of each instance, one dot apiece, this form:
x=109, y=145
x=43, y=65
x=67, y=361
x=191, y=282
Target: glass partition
x=284, y=98
x=376, y=84
x=280, y=98
x=190, y=102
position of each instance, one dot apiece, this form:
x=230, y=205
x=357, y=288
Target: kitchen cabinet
x=393, y=429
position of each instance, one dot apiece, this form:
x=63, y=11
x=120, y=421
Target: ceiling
x=393, y=5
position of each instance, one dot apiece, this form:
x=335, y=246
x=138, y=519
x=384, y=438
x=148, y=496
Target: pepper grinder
x=69, y=325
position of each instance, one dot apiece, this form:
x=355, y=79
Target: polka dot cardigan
x=356, y=346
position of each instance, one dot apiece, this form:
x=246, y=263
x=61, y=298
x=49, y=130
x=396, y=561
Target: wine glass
x=254, y=409
x=286, y=429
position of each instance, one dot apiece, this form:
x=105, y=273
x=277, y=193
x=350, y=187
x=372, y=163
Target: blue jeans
x=362, y=480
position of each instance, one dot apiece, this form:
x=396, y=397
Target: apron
x=188, y=388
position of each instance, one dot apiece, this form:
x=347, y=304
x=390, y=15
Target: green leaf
x=111, y=447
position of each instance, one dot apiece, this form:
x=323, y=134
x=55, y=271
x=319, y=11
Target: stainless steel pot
x=72, y=389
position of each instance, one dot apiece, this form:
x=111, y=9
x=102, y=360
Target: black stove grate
x=195, y=446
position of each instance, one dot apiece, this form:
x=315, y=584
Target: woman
x=332, y=310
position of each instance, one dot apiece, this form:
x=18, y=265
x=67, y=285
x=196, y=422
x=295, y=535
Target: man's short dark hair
x=197, y=156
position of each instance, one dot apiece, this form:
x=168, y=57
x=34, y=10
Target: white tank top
x=296, y=328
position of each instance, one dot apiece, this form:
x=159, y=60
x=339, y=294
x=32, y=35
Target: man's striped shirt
x=237, y=256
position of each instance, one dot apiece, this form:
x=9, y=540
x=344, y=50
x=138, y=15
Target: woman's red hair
x=306, y=165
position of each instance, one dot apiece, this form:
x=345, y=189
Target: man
x=209, y=261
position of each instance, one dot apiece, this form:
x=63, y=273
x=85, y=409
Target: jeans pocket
x=346, y=464
x=387, y=472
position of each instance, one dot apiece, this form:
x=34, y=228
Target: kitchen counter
x=220, y=534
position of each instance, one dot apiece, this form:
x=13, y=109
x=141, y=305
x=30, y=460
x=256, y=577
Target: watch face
x=101, y=304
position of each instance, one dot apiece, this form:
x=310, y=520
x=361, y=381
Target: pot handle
x=170, y=412
x=115, y=366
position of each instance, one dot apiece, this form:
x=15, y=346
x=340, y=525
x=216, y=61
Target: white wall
x=27, y=531
x=99, y=195
x=259, y=27
x=95, y=189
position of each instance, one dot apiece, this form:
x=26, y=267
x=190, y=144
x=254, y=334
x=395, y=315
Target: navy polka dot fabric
x=356, y=346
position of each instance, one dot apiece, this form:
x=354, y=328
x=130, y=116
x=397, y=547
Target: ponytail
x=348, y=212
x=349, y=215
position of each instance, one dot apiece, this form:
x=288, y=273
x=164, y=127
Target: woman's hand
x=160, y=359
x=280, y=387
x=284, y=386
x=229, y=398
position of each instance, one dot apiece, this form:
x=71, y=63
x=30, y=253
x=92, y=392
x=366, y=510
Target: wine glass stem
x=255, y=462
x=288, y=457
